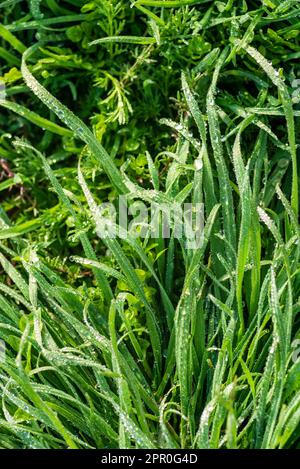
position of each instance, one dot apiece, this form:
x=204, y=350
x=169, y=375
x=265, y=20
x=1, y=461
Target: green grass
x=145, y=342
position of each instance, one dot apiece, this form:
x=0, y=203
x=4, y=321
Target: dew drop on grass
x=35, y=9
x=198, y=164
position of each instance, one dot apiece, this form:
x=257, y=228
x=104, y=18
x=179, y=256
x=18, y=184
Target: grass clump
x=144, y=341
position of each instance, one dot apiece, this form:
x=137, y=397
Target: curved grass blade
x=124, y=40
x=170, y=3
x=88, y=249
x=224, y=183
x=130, y=274
x=12, y=40
x=80, y=130
x=183, y=321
